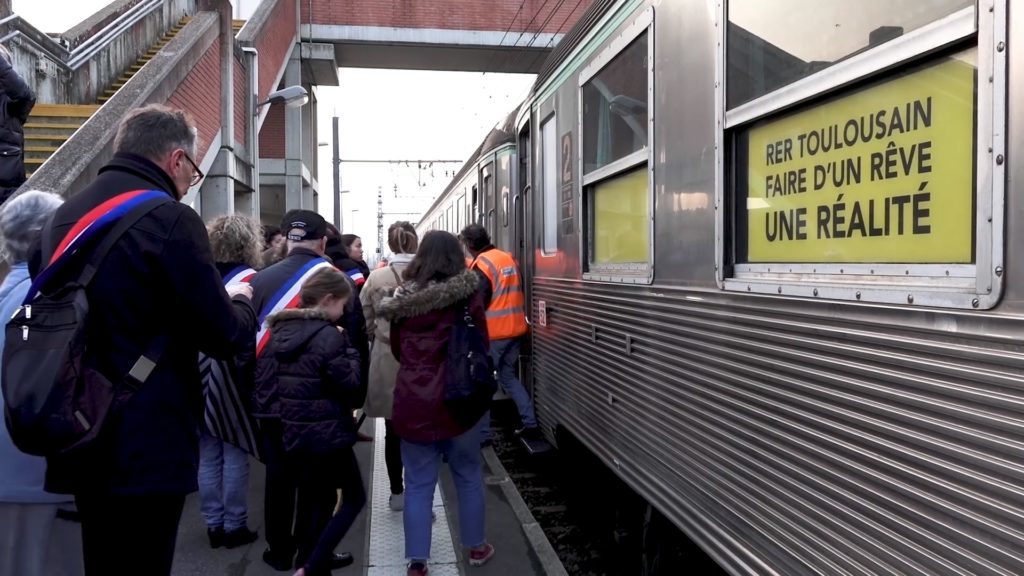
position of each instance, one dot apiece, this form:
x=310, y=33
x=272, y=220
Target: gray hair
x=155, y=131
x=236, y=238
x=21, y=220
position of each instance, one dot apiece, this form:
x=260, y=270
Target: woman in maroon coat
x=437, y=290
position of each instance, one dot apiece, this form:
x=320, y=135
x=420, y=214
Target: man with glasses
x=156, y=295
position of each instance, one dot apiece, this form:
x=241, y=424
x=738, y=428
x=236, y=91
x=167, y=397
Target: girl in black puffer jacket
x=314, y=376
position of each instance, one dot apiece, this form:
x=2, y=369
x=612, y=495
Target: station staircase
x=50, y=125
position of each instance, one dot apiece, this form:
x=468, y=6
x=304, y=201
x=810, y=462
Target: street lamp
x=292, y=97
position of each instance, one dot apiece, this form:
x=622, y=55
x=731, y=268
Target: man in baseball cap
x=303, y=225
x=306, y=234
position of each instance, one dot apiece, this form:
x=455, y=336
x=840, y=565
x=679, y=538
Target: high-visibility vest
x=506, y=316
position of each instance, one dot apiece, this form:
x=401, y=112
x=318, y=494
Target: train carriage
x=770, y=259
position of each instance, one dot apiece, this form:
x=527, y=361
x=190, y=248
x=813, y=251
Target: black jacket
x=266, y=284
x=159, y=278
x=16, y=102
x=351, y=268
x=315, y=375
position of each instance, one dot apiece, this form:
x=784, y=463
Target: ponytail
x=402, y=238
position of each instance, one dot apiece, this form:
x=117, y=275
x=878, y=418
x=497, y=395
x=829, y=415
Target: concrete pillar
x=293, y=143
x=218, y=191
x=219, y=187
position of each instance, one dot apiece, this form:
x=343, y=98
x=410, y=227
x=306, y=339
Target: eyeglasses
x=197, y=174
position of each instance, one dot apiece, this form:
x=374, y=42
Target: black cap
x=300, y=225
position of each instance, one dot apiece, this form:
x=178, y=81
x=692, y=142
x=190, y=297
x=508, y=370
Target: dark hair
x=439, y=258
x=475, y=237
x=402, y=238
x=326, y=282
x=268, y=234
x=154, y=131
x=347, y=240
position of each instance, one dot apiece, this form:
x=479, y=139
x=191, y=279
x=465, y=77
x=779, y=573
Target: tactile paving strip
x=387, y=535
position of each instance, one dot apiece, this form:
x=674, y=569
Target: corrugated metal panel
x=788, y=441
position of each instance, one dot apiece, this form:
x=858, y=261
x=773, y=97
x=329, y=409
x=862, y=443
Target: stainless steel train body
x=771, y=252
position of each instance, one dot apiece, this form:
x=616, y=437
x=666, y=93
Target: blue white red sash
x=357, y=276
x=286, y=297
x=94, y=222
x=239, y=275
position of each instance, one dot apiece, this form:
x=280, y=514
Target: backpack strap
x=147, y=361
x=398, y=277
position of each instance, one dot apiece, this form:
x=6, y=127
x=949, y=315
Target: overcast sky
x=384, y=114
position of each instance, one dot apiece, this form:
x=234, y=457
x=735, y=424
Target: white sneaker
x=396, y=502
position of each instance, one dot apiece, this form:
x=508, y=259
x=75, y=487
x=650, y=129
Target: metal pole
x=337, y=176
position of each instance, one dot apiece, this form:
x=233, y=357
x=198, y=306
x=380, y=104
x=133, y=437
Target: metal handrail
x=100, y=40
x=16, y=20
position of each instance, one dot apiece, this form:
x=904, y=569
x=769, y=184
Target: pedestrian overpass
x=221, y=61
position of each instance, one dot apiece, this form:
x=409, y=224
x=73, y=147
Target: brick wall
x=272, y=134
x=275, y=42
x=240, y=90
x=449, y=14
x=199, y=93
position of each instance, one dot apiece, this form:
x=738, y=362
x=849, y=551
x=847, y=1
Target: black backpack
x=469, y=373
x=54, y=402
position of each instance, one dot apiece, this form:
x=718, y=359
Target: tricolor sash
x=86, y=229
x=286, y=297
x=357, y=276
x=239, y=275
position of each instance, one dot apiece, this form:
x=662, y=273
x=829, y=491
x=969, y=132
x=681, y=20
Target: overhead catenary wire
x=495, y=51
x=503, y=67
x=557, y=32
x=541, y=28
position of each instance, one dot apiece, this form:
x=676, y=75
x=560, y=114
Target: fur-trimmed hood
x=291, y=329
x=412, y=299
x=297, y=314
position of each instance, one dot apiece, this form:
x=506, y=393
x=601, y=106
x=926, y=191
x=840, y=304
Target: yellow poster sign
x=884, y=175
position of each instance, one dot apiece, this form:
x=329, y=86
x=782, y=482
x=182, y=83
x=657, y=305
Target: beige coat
x=383, y=366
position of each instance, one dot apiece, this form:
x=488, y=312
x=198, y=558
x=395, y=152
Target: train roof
x=571, y=40
x=503, y=133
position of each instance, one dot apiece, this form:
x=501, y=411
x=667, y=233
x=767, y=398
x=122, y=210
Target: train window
x=474, y=207
x=504, y=206
x=880, y=180
x=615, y=108
x=451, y=221
x=773, y=44
x=615, y=143
x=620, y=219
x=549, y=184
x=460, y=212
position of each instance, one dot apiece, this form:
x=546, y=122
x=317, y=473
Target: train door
x=487, y=183
x=521, y=188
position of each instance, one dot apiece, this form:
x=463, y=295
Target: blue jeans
x=421, y=462
x=505, y=355
x=223, y=483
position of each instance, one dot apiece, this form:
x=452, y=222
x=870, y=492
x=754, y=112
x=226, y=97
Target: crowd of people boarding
x=226, y=344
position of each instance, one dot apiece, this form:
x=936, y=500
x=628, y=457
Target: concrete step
x=60, y=130
x=42, y=112
x=45, y=139
x=143, y=60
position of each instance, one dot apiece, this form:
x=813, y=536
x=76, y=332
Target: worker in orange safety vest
x=502, y=289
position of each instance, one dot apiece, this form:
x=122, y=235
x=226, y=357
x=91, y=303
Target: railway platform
x=376, y=539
